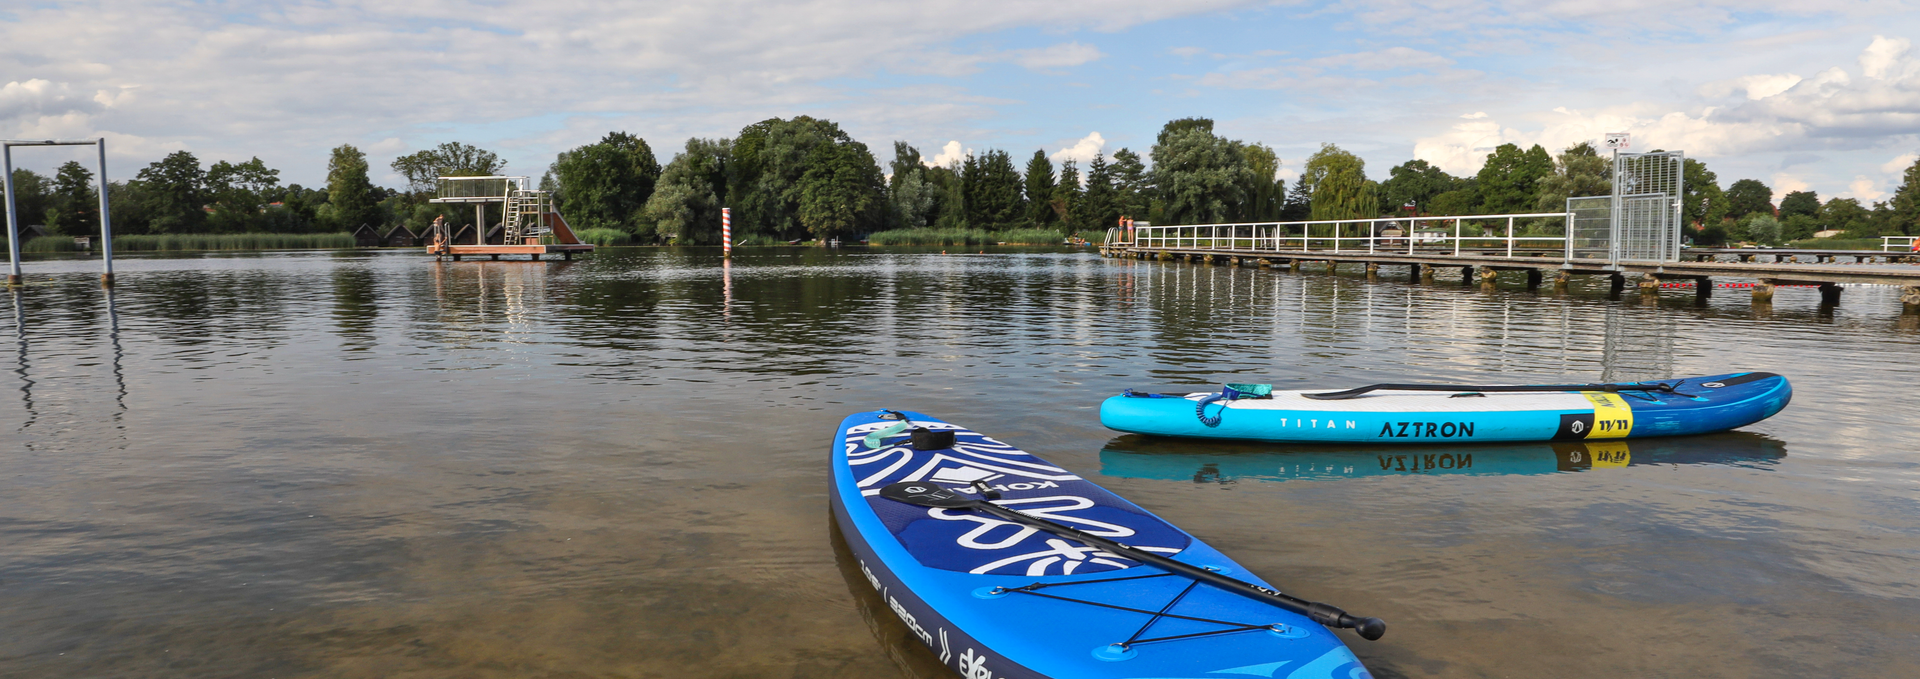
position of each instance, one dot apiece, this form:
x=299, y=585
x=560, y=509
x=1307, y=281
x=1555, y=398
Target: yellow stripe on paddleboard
x=1612, y=417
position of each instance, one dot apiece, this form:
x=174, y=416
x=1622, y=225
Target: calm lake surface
x=361, y=464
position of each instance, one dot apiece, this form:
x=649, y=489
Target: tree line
x=805, y=177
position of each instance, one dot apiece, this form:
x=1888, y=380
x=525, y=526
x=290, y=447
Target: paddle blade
x=923, y=494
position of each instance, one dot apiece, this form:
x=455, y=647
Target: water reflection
x=896, y=640
x=1205, y=462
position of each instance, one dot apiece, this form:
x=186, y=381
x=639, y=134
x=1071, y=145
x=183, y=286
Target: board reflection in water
x=1211, y=462
x=913, y=658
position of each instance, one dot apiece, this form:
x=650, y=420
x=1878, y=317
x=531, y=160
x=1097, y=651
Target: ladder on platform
x=522, y=205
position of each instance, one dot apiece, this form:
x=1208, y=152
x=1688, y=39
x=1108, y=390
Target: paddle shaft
x=1325, y=614
x=1350, y=393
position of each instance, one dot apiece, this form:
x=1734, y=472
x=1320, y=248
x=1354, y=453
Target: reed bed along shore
x=202, y=241
x=966, y=237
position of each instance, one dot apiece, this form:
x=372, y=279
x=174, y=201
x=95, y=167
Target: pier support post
x=1702, y=288
x=1763, y=291
x=1616, y=283
x=1830, y=294
x=1910, y=299
x=1533, y=279
x=1166, y=257
x=1413, y=273
x=1466, y=275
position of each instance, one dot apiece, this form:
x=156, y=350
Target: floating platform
x=533, y=252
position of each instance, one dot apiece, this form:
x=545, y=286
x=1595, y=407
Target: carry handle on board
x=1350, y=393
x=923, y=494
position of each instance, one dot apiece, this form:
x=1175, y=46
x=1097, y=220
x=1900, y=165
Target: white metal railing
x=1895, y=243
x=478, y=188
x=1443, y=234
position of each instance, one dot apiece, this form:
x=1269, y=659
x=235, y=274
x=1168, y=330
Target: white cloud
x=1784, y=184
x=1885, y=58
x=1900, y=163
x=1057, y=56
x=1082, y=150
x=949, y=154
x=1831, y=110
x=1863, y=189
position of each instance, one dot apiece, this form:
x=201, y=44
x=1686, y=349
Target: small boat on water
x=1426, y=413
x=1009, y=567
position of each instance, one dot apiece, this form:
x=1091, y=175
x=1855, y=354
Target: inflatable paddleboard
x=1430, y=414
x=994, y=598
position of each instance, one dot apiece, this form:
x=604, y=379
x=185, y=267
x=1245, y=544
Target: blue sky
x=1819, y=95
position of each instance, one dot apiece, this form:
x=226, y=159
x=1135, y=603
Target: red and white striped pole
x=726, y=232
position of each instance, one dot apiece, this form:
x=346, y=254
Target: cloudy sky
x=1801, y=94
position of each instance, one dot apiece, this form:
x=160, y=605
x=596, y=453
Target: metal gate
x=1646, y=206
x=1590, y=228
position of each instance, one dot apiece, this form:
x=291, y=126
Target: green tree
x=350, y=194
x=1199, y=177
x=75, y=205
x=1040, y=186
x=33, y=197
x=1299, y=206
x=842, y=192
x=1903, y=210
x=1846, y=214
x=1415, y=182
x=1510, y=180
x=770, y=159
x=422, y=169
x=1094, y=211
x=1132, y=185
x=606, y=184
x=1337, y=182
x=1067, y=193
x=993, y=188
x=239, y=192
x=1578, y=172
x=175, y=190
x=916, y=198
x=685, y=205
x=1749, y=196
x=1701, y=200
x=1265, y=191
x=1761, y=227
x=1800, y=203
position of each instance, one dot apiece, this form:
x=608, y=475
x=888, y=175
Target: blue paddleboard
x=1692, y=405
x=995, y=599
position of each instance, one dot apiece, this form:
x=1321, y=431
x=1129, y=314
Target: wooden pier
x=1540, y=267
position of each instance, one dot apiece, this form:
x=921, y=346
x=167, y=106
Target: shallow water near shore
x=370, y=464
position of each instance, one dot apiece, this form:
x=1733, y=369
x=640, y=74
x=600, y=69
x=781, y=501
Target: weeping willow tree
x=1338, y=185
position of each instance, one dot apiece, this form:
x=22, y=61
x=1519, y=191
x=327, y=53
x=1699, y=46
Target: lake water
x=362, y=464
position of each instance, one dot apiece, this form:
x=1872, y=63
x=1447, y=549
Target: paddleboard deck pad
x=1692, y=405
x=995, y=599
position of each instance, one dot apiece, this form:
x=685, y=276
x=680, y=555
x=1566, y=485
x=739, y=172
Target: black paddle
x=921, y=494
x=1350, y=393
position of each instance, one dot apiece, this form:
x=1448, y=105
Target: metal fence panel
x=1590, y=227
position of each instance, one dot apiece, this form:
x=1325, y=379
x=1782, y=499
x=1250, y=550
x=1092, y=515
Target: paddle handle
x=1350, y=393
x=1326, y=614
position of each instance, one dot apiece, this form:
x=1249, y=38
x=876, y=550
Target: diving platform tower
x=531, y=224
